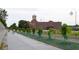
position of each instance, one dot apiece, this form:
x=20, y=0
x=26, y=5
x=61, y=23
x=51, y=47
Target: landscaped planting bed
x=66, y=45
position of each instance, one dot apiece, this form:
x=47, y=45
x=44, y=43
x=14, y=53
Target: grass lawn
x=54, y=42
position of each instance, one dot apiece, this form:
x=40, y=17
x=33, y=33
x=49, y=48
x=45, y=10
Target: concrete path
x=18, y=42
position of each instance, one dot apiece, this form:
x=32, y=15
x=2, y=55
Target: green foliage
x=78, y=33
x=40, y=31
x=3, y=15
x=33, y=31
x=13, y=26
x=50, y=33
x=64, y=31
x=19, y=29
x=3, y=22
x=23, y=24
x=23, y=29
x=67, y=45
x=28, y=30
x=69, y=31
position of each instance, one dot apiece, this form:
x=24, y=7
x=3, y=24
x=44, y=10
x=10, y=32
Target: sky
x=43, y=15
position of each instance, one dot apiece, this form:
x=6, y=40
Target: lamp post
x=75, y=17
x=71, y=13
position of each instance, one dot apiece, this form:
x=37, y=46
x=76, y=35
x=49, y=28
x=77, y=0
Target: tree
x=50, y=33
x=64, y=31
x=33, y=30
x=3, y=15
x=23, y=24
x=13, y=26
x=40, y=31
x=4, y=22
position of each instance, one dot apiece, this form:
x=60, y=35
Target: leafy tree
x=33, y=30
x=50, y=33
x=13, y=26
x=3, y=15
x=64, y=31
x=23, y=24
x=4, y=22
x=40, y=31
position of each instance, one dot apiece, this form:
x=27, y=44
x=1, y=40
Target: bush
x=50, y=31
x=69, y=31
x=28, y=30
x=64, y=31
x=77, y=33
x=33, y=31
x=23, y=29
x=40, y=31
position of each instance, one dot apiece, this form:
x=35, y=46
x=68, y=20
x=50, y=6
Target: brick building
x=44, y=25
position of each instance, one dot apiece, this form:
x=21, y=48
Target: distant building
x=44, y=25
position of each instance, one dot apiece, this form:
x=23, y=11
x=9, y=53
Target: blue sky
x=43, y=14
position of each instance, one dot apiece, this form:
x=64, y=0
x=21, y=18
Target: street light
x=71, y=13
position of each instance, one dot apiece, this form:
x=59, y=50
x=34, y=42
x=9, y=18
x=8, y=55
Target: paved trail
x=18, y=42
